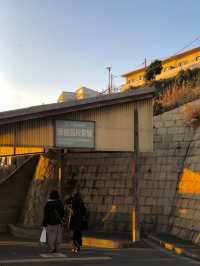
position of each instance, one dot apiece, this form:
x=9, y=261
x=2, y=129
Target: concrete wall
x=13, y=192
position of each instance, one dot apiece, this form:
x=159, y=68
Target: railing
x=10, y=164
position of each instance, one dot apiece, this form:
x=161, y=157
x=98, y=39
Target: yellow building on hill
x=171, y=66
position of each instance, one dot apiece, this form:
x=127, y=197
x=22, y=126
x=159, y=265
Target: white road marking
x=53, y=255
x=15, y=261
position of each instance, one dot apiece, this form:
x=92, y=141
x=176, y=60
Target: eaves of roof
x=55, y=109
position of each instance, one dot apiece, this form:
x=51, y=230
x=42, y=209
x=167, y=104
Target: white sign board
x=75, y=134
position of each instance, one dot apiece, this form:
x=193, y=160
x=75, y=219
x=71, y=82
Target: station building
x=87, y=145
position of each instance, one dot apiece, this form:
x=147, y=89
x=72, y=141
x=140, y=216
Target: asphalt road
x=19, y=255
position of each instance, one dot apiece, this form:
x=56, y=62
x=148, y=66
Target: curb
x=103, y=243
x=174, y=248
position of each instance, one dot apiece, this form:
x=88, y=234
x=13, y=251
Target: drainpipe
x=136, y=209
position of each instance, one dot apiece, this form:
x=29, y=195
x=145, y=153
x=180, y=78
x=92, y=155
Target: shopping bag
x=43, y=237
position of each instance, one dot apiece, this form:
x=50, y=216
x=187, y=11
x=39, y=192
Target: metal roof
x=54, y=109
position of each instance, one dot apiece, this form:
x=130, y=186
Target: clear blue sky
x=47, y=46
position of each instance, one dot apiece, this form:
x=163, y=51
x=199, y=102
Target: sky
x=49, y=46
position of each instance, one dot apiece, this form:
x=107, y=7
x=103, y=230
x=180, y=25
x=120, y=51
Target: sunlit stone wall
x=185, y=219
x=44, y=180
x=160, y=171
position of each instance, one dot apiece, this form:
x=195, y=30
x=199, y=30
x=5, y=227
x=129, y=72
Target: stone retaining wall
x=105, y=181
x=44, y=180
x=185, y=218
x=170, y=178
x=159, y=171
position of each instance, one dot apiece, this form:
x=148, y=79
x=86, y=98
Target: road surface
x=13, y=254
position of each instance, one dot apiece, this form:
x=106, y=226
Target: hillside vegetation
x=181, y=89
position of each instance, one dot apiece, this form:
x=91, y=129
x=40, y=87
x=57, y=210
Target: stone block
x=110, y=183
x=179, y=122
x=169, y=123
x=145, y=209
x=111, y=191
x=109, y=200
x=129, y=200
x=158, y=124
x=167, y=211
x=118, y=200
x=162, y=131
x=120, y=184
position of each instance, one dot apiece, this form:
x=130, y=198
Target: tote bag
x=43, y=237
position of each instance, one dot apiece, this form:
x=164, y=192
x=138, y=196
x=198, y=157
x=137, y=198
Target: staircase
x=13, y=191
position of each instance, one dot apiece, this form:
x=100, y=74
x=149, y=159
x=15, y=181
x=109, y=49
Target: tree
x=152, y=70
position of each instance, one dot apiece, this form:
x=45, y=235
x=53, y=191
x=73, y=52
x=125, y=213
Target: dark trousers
x=77, y=238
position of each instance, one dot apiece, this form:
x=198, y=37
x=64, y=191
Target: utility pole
x=145, y=63
x=109, y=80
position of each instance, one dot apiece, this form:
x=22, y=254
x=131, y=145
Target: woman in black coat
x=77, y=212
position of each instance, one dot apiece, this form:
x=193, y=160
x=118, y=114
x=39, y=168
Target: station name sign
x=75, y=134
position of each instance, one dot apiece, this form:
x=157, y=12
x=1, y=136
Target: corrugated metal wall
x=114, y=128
x=38, y=132
x=145, y=117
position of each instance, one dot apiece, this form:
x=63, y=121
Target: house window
x=198, y=58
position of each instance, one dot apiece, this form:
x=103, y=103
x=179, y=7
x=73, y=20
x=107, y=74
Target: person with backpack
x=76, y=219
x=53, y=220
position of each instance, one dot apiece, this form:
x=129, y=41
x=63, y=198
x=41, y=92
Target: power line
x=162, y=59
x=178, y=52
x=188, y=45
